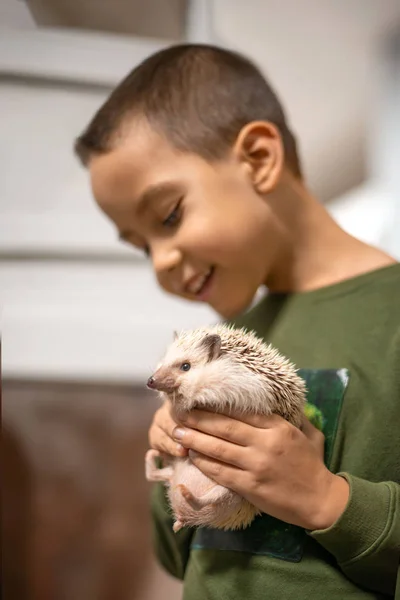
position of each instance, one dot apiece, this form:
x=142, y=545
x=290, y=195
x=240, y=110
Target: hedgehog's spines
x=245, y=346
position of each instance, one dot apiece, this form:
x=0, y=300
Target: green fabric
x=367, y=555
x=353, y=325
x=314, y=415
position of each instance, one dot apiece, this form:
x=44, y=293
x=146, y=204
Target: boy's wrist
x=332, y=504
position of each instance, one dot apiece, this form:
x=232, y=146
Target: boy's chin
x=231, y=309
x=228, y=307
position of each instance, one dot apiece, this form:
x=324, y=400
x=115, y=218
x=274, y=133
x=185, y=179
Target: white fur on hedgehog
x=249, y=376
x=228, y=369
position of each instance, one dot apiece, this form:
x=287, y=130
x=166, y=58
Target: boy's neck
x=316, y=252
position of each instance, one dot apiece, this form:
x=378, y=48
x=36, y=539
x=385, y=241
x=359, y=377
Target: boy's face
x=209, y=235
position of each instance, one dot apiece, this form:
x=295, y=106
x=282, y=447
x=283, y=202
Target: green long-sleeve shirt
x=355, y=326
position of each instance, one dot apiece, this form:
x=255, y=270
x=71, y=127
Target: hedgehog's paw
x=177, y=526
x=153, y=473
x=189, y=497
x=214, y=495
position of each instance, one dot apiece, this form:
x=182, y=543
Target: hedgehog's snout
x=162, y=382
x=151, y=383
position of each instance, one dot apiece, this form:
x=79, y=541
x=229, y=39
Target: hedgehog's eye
x=185, y=366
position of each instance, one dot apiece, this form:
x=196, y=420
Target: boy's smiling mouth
x=198, y=285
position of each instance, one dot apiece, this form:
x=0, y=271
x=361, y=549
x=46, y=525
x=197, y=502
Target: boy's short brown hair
x=198, y=96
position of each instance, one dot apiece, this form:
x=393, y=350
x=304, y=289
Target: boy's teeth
x=196, y=286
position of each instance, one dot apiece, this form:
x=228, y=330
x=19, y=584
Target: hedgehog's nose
x=151, y=383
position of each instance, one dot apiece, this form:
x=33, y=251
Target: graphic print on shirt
x=268, y=536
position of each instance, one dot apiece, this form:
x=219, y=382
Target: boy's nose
x=165, y=258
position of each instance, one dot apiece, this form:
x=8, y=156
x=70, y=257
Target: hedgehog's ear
x=175, y=336
x=212, y=343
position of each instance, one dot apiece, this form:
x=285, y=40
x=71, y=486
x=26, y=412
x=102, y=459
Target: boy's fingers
x=160, y=433
x=219, y=426
x=216, y=448
x=158, y=440
x=239, y=429
x=164, y=420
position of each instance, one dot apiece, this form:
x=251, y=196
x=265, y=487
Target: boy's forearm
x=365, y=540
x=172, y=549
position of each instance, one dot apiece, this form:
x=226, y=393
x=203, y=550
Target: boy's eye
x=174, y=216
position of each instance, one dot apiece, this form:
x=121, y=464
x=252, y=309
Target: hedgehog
x=219, y=368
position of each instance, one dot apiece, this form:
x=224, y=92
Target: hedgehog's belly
x=240, y=518
x=185, y=473
x=231, y=511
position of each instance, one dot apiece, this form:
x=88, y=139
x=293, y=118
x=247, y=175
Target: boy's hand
x=268, y=461
x=160, y=432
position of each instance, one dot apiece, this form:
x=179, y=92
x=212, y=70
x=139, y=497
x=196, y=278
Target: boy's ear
x=259, y=146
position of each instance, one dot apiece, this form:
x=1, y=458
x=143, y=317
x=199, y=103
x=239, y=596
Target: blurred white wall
x=74, y=303
x=321, y=56
x=371, y=211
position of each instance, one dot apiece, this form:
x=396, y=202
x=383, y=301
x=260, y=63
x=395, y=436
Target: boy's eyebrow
x=153, y=193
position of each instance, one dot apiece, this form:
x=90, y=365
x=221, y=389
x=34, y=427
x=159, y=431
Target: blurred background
x=82, y=320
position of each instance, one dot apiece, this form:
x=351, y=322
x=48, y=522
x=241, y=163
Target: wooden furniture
x=76, y=522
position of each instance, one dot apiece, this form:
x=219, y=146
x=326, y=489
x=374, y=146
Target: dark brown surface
x=76, y=520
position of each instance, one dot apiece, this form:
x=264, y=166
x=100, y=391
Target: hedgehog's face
x=183, y=371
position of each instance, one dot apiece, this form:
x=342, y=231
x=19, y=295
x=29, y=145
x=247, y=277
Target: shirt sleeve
x=365, y=540
x=172, y=549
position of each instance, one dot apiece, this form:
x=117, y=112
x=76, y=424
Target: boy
x=192, y=159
